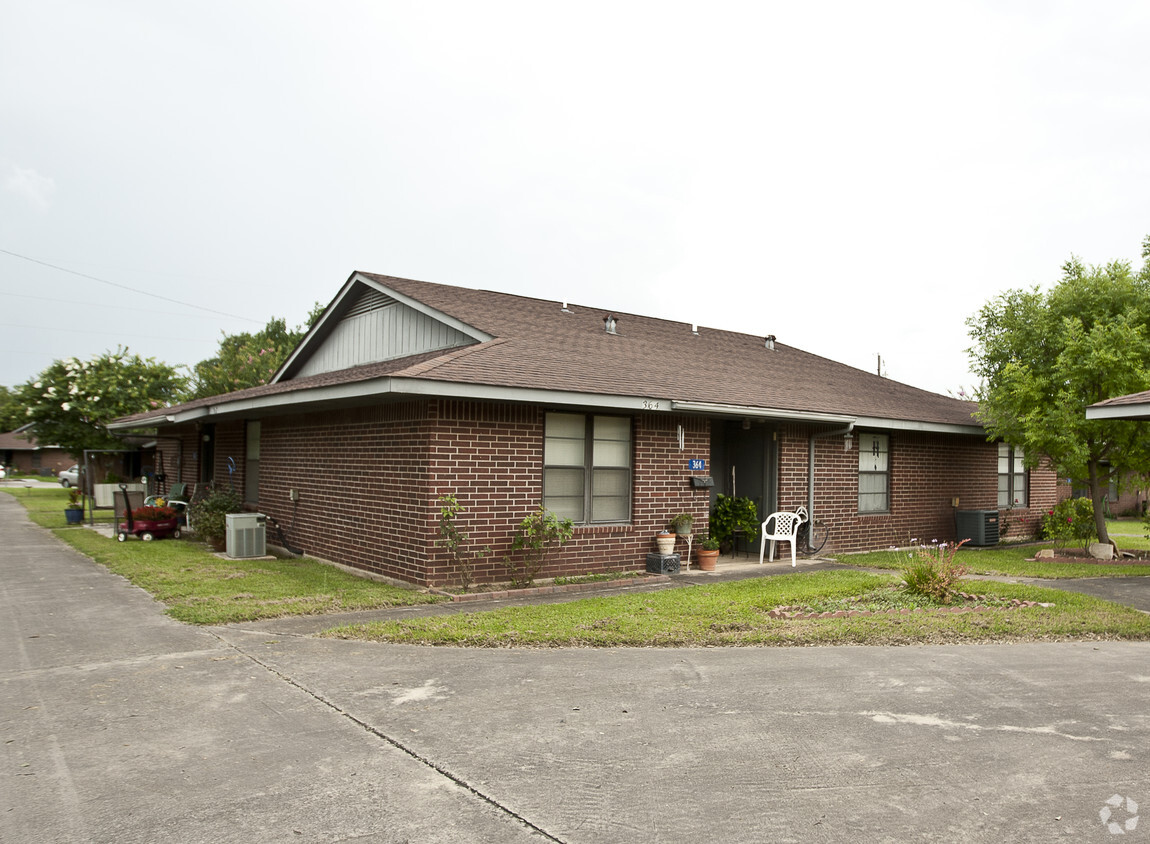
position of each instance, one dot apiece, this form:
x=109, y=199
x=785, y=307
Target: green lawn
x=1009, y=560
x=201, y=588
x=732, y=614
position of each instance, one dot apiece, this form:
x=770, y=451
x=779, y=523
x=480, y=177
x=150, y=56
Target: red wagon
x=147, y=522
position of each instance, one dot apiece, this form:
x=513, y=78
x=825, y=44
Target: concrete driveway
x=119, y=724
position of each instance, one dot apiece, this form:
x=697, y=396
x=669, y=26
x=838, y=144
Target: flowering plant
x=933, y=572
x=1071, y=522
x=148, y=513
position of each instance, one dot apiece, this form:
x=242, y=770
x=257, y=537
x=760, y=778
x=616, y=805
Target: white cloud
x=29, y=184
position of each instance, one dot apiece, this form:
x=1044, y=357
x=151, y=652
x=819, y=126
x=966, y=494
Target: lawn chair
x=177, y=498
x=786, y=529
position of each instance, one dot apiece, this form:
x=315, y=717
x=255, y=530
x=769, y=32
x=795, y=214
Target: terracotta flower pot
x=707, y=559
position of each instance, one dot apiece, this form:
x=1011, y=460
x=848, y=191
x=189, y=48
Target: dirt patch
x=1078, y=556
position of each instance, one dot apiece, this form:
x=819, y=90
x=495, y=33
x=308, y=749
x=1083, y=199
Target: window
x=1011, y=477
x=587, y=467
x=252, y=463
x=874, y=473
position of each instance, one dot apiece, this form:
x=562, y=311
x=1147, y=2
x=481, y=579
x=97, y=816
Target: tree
x=1043, y=357
x=72, y=400
x=12, y=414
x=249, y=360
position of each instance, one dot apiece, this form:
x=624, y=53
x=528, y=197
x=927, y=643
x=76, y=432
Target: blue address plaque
x=696, y=465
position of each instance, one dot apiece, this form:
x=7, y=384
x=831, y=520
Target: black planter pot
x=74, y=515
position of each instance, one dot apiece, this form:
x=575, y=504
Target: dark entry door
x=743, y=462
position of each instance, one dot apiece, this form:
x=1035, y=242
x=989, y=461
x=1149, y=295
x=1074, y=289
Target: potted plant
x=681, y=524
x=734, y=516
x=665, y=542
x=74, y=512
x=708, y=553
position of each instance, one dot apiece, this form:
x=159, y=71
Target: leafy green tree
x=1043, y=357
x=249, y=360
x=12, y=414
x=71, y=401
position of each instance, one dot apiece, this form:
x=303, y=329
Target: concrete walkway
x=120, y=725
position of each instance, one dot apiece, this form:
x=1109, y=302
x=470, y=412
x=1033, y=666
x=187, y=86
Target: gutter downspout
x=841, y=432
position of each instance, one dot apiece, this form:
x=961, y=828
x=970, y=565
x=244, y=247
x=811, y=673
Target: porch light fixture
x=847, y=438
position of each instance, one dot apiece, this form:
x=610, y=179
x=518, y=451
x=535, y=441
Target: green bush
x=733, y=514
x=208, y=513
x=933, y=572
x=1071, y=522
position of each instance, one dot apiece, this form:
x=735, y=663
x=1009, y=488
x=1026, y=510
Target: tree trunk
x=1099, y=486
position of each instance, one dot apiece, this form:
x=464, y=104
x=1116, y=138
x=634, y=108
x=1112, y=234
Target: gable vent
x=369, y=300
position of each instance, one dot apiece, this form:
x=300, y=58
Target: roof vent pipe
x=695, y=328
x=566, y=310
x=770, y=342
x=609, y=324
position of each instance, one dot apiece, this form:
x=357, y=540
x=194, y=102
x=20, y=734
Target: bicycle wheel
x=816, y=536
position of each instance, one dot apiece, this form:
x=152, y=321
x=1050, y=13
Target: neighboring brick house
x=20, y=450
x=404, y=391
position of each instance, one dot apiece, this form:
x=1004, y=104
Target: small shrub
x=932, y=571
x=455, y=541
x=536, y=537
x=1071, y=522
x=711, y=543
x=209, y=512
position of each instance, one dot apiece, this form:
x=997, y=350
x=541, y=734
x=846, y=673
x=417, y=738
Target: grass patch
x=1011, y=560
x=735, y=614
x=200, y=588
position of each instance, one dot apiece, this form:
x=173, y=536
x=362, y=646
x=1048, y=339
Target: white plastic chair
x=786, y=530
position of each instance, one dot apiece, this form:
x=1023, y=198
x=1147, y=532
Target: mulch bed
x=1080, y=557
x=798, y=612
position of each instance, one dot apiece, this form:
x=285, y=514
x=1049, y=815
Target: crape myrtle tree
x=12, y=414
x=1044, y=356
x=249, y=360
x=71, y=401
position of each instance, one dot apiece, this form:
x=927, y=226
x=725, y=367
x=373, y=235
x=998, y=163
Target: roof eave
x=1119, y=411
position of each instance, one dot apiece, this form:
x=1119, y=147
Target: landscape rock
x=1101, y=550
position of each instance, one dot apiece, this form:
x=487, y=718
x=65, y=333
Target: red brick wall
x=369, y=479
x=927, y=472
x=490, y=457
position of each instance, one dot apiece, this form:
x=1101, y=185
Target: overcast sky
x=855, y=178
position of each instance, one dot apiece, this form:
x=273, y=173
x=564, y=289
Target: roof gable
x=368, y=323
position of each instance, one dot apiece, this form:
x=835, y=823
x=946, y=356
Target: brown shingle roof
x=539, y=346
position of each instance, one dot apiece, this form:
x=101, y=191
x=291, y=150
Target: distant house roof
x=1132, y=406
x=22, y=439
x=384, y=336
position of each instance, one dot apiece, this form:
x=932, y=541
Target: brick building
x=21, y=450
x=404, y=391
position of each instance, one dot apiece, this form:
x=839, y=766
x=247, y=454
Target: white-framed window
x=874, y=473
x=587, y=467
x=252, y=463
x=1011, y=477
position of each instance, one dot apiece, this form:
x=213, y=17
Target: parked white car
x=70, y=477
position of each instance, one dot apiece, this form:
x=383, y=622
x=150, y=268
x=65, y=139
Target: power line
x=117, y=307
x=126, y=287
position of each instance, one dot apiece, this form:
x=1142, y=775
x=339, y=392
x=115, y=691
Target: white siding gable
x=378, y=328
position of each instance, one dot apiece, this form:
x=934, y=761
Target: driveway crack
x=398, y=745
